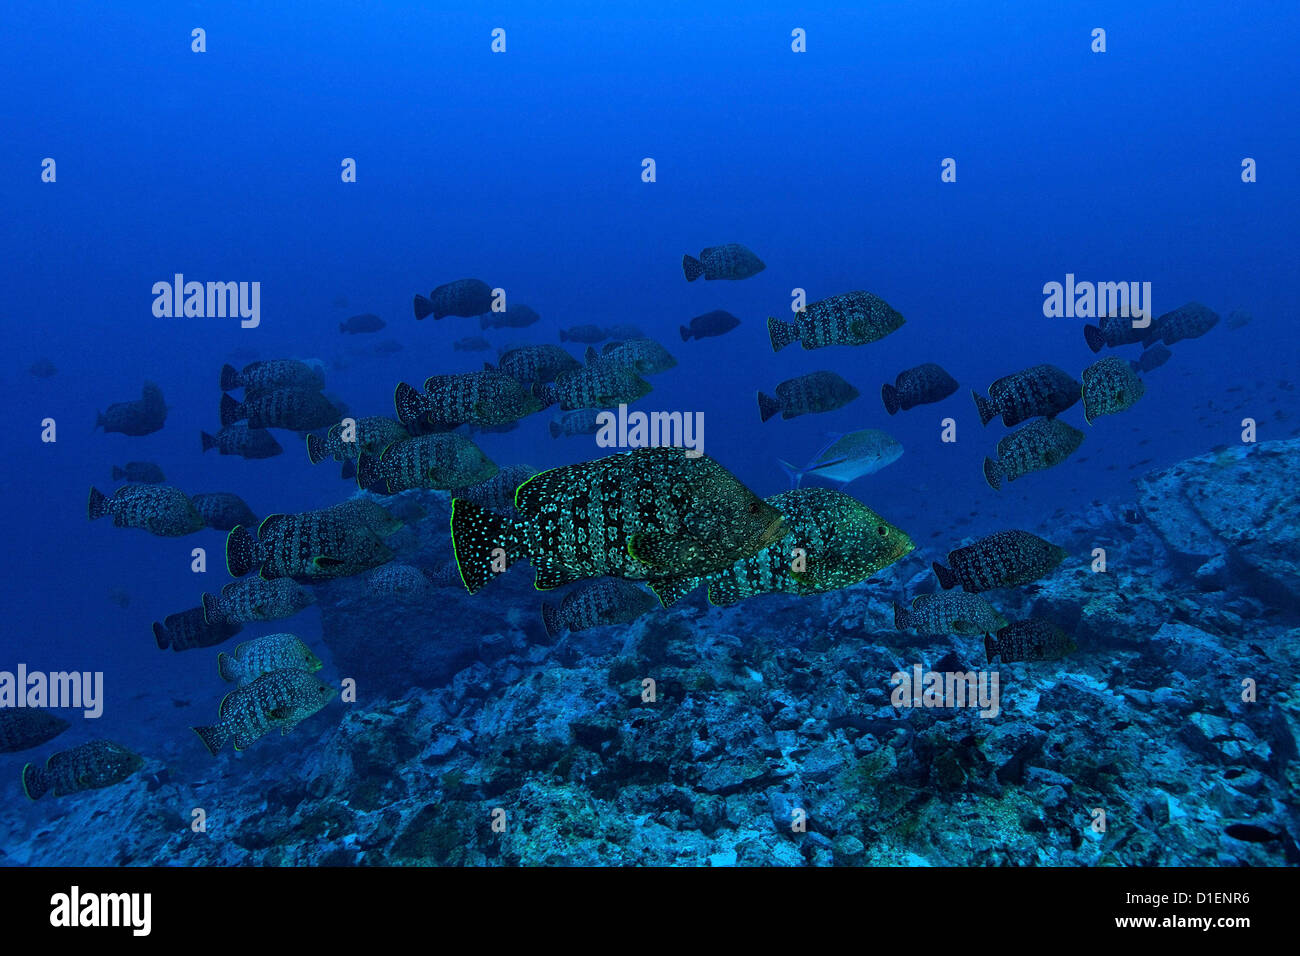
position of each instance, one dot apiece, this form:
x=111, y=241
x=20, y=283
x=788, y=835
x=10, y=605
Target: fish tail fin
x=986, y=408
x=767, y=406
x=900, y=617
x=556, y=430
x=214, y=737
x=793, y=473
x=211, y=609
x=369, y=474
x=889, y=395
x=240, y=550
x=993, y=474
x=780, y=333
x=686, y=333
x=423, y=307
x=947, y=580
x=96, y=506
x=315, y=449
x=692, y=267
x=229, y=377
x=99, y=422
x=349, y=469
x=342, y=327
x=1092, y=335
x=161, y=637
x=231, y=410
x=208, y=440
x=476, y=534
x=406, y=401
x=226, y=667
x=551, y=618
x=34, y=782
x=990, y=649
x=671, y=590
x=118, y=473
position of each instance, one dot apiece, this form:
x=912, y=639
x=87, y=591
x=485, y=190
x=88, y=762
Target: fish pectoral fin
x=326, y=561
x=278, y=713
x=671, y=590
x=654, y=549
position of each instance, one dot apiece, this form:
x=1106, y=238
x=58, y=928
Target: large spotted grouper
x=648, y=514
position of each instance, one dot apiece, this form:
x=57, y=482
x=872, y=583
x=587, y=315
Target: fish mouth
x=772, y=533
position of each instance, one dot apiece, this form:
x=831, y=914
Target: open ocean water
x=1111, y=680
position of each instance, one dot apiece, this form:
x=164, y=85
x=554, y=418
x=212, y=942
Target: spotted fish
x=608, y=601
x=272, y=375
x=1110, y=386
x=948, y=612
x=346, y=441
x=90, y=766
x=158, y=509
x=282, y=699
x=144, y=416
x=1113, y=331
x=257, y=599
x=222, y=511
x=851, y=318
x=643, y=515
x=294, y=409
x=464, y=297
x=1004, y=559
x=731, y=261
x=1188, y=321
x=428, y=461
x=527, y=364
x=239, y=439
x=329, y=543
x=498, y=492
x=28, y=727
x=1042, y=443
x=923, y=385
x=252, y=659
x=814, y=392
x=600, y=384
x=580, y=421
x=832, y=541
x=191, y=629
x=1036, y=639
x=1040, y=390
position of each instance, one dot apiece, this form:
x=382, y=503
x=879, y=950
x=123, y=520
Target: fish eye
x=753, y=507
x=882, y=531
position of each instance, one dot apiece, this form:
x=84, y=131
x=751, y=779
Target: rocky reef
x=765, y=734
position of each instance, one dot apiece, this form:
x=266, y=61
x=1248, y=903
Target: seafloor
x=467, y=709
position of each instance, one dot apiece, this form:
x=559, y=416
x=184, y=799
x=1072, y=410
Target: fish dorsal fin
x=268, y=523
x=529, y=495
x=916, y=601
x=671, y=590
x=591, y=354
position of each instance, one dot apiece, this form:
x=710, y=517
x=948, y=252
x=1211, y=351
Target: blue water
x=524, y=169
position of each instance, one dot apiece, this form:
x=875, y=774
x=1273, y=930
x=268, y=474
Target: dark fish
x=536, y=363
x=282, y=699
x=623, y=332
x=120, y=596
x=923, y=385
x=190, y=629
x=294, y=409
x=365, y=322
x=253, y=659
x=441, y=461
x=514, y=317
x=1153, y=357
x=239, y=439
x=388, y=347
x=140, y=473
x=832, y=540
x=647, y=514
x=332, y=542
x=1110, y=386
x=471, y=343
x=732, y=261
x=580, y=421
x=643, y=356
x=814, y=392
x=1001, y=560
x=488, y=397
x=399, y=582
x=1189, y=321
x=369, y=435
x=498, y=492
x=90, y=766
x=608, y=601
x=27, y=728
x=1042, y=443
x=1250, y=833
x=257, y=599
x=583, y=333
x=271, y=376
x=444, y=576
x=144, y=416
x=851, y=318
x=158, y=509
x=1113, y=331
x=222, y=511
x=1036, y=639
x=1040, y=390
x=1236, y=319
x=42, y=368
x=948, y=612
x=717, y=322
x=599, y=384
x=464, y=297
